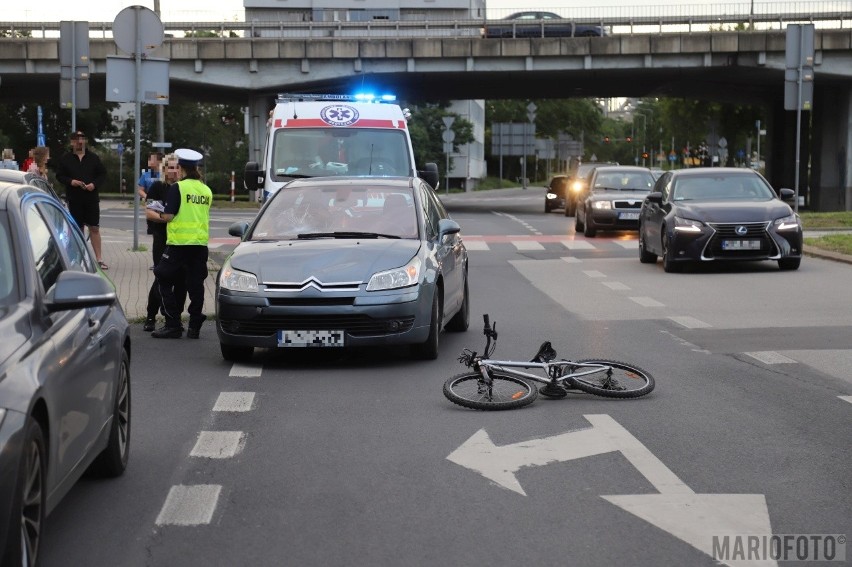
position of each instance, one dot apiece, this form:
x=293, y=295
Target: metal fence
x=661, y=18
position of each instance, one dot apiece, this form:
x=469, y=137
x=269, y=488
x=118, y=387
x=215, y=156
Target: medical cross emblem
x=339, y=115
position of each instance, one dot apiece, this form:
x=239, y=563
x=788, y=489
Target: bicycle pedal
x=551, y=391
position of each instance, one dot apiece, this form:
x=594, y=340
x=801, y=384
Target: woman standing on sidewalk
x=156, y=195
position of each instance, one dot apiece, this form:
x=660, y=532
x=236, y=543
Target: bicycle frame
x=554, y=370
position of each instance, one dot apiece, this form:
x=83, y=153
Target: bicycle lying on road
x=500, y=384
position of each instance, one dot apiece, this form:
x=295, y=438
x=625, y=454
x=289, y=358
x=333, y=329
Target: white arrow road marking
x=693, y=518
x=696, y=518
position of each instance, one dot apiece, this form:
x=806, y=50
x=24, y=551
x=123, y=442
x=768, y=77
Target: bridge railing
x=829, y=14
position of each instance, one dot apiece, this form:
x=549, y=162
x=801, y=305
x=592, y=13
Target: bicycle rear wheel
x=506, y=392
x=625, y=380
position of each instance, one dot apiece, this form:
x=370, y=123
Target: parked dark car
x=718, y=213
x=539, y=24
x=612, y=199
x=64, y=367
x=556, y=194
x=344, y=261
x=578, y=182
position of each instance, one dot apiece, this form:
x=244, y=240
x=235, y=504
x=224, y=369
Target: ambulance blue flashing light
x=370, y=97
x=359, y=97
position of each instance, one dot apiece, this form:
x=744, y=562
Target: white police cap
x=188, y=157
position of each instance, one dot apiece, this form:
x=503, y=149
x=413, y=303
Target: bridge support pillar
x=832, y=149
x=259, y=107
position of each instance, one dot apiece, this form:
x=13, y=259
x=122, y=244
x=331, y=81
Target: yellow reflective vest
x=191, y=225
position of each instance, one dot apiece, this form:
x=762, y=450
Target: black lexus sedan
x=718, y=214
x=344, y=262
x=64, y=366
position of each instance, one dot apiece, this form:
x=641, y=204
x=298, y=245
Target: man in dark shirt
x=82, y=174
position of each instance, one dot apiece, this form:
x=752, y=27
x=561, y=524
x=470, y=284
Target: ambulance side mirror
x=430, y=175
x=253, y=177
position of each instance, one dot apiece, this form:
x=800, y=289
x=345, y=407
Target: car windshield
x=321, y=152
x=722, y=187
x=623, y=181
x=342, y=211
x=7, y=264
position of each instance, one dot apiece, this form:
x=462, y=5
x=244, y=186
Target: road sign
x=448, y=135
x=121, y=80
x=120, y=148
x=74, y=66
x=799, y=64
x=161, y=145
x=137, y=25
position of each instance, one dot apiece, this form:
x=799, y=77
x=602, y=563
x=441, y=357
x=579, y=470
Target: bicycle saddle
x=545, y=353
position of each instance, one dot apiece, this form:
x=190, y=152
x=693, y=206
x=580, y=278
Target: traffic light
x=644, y=155
x=606, y=139
x=629, y=139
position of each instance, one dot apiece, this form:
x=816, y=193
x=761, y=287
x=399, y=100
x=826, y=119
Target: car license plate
x=289, y=339
x=741, y=245
x=628, y=216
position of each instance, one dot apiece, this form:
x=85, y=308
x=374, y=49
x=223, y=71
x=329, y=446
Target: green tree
x=426, y=128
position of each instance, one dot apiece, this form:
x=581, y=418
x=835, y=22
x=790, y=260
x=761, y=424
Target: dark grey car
x=64, y=367
x=344, y=261
x=612, y=199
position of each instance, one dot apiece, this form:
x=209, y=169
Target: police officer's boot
x=194, y=329
x=168, y=333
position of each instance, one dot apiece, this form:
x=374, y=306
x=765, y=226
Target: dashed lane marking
x=189, y=505
x=218, y=444
x=616, y=286
x=770, y=357
x=571, y=259
x=245, y=370
x=690, y=322
x=234, y=402
x=647, y=302
x=594, y=274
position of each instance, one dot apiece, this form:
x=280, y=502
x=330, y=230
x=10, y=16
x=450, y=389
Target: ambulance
x=321, y=135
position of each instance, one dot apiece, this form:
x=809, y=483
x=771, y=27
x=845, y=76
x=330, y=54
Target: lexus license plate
x=741, y=245
x=628, y=216
x=289, y=339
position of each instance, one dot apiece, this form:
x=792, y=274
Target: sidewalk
x=131, y=273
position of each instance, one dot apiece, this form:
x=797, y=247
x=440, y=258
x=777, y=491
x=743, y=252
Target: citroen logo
x=741, y=230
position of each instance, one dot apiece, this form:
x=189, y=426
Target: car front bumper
x=708, y=245
x=384, y=318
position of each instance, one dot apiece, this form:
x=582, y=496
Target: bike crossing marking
x=628, y=244
x=189, y=505
x=218, y=444
x=527, y=245
x=676, y=509
x=771, y=357
x=577, y=244
x=475, y=245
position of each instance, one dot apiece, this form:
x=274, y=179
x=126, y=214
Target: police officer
x=187, y=214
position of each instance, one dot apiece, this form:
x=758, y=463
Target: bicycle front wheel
x=505, y=392
x=623, y=381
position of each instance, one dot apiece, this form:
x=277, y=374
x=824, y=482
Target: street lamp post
x=531, y=108
x=644, y=135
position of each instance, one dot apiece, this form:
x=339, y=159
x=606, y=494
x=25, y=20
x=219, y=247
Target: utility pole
x=161, y=134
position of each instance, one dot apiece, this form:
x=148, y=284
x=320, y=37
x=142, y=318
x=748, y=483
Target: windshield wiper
x=342, y=234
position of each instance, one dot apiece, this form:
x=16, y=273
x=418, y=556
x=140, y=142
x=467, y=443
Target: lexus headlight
x=787, y=223
x=602, y=204
x=687, y=225
x=237, y=280
x=398, y=277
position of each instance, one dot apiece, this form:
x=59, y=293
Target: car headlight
x=576, y=187
x=602, y=204
x=687, y=225
x=551, y=195
x=398, y=277
x=788, y=223
x=237, y=280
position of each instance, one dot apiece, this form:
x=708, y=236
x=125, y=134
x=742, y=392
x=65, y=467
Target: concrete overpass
x=742, y=67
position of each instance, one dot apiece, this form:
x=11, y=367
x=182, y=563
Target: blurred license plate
x=628, y=216
x=741, y=245
x=310, y=338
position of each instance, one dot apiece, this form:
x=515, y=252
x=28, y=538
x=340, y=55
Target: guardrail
x=832, y=14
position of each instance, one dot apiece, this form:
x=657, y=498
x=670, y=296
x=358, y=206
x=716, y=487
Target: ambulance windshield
x=320, y=152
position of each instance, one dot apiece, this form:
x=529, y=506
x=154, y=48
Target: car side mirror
x=253, y=177
x=429, y=174
x=238, y=229
x=787, y=194
x=447, y=226
x=79, y=290
x=654, y=197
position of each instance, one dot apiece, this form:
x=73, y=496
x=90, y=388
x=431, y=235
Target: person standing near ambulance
x=187, y=214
